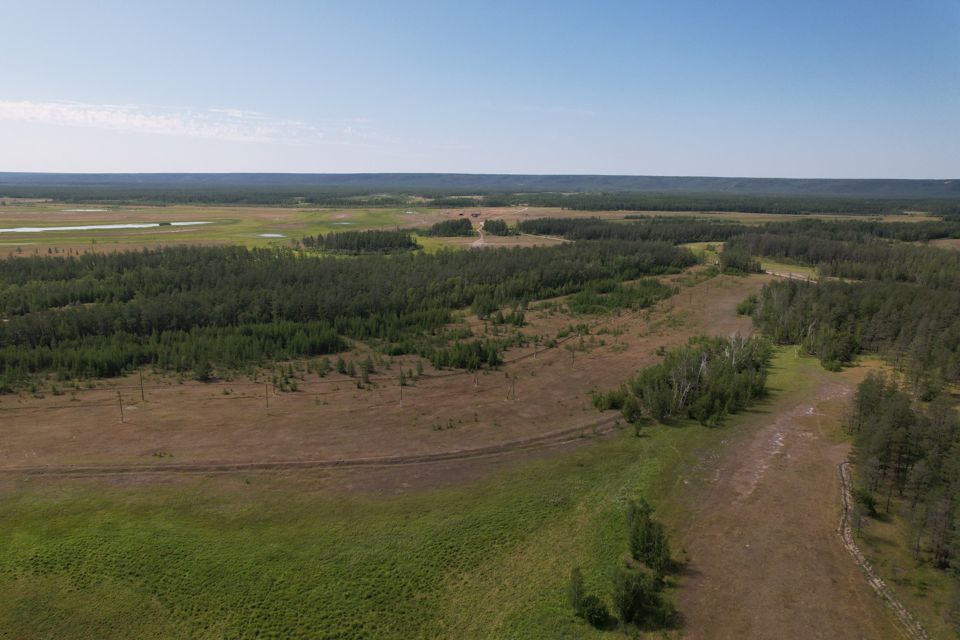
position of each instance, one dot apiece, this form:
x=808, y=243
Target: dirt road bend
x=765, y=559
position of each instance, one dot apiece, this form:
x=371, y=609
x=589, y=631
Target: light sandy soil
x=765, y=557
x=331, y=419
x=946, y=243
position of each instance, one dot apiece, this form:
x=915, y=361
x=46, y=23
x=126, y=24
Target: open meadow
x=251, y=226
x=396, y=493
x=474, y=548
x=388, y=321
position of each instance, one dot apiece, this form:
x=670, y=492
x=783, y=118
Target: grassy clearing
x=431, y=244
x=785, y=267
x=260, y=557
x=229, y=225
x=708, y=250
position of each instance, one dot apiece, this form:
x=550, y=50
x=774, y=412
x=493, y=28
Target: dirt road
x=479, y=242
x=765, y=557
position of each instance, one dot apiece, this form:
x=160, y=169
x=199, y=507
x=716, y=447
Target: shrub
x=496, y=227
x=747, y=307
x=613, y=399
x=738, y=261
x=648, y=538
x=595, y=611
x=638, y=601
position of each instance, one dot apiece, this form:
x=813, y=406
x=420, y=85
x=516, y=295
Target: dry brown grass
x=946, y=243
x=331, y=418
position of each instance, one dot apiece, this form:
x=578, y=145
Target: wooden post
x=266, y=395
x=120, y=400
x=142, y=398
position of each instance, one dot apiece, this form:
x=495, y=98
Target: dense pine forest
x=184, y=309
x=896, y=299
x=357, y=242
x=679, y=230
x=859, y=259
x=451, y=228
x=694, y=229
x=578, y=192
x=908, y=455
x=497, y=227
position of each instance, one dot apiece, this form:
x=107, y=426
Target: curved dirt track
x=911, y=628
x=553, y=439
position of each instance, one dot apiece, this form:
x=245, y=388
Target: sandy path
x=479, y=242
x=789, y=275
x=765, y=558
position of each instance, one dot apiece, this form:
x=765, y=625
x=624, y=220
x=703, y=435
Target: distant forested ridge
x=186, y=308
x=584, y=192
x=513, y=183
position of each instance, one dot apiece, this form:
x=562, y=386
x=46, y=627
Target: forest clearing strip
x=543, y=441
x=790, y=276
x=911, y=628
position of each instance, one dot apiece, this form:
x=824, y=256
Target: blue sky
x=799, y=89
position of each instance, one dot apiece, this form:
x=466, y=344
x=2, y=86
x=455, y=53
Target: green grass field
x=709, y=250
x=271, y=557
x=228, y=225
x=785, y=267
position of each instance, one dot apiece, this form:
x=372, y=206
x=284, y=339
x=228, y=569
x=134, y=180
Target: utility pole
x=120, y=401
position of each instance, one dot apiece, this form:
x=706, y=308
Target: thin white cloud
x=213, y=124
x=539, y=108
